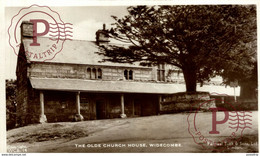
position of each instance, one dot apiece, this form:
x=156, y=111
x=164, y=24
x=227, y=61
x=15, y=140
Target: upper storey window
x=88, y=73
x=99, y=74
x=93, y=73
x=161, y=72
x=128, y=74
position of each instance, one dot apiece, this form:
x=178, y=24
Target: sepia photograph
x=131, y=78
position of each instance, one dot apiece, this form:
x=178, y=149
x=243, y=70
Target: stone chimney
x=102, y=37
x=26, y=30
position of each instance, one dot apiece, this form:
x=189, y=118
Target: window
x=99, y=73
x=128, y=74
x=93, y=73
x=88, y=73
x=84, y=104
x=161, y=72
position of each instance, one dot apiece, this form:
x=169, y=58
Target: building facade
x=76, y=85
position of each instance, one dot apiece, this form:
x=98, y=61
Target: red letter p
x=214, y=119
x=35, y=34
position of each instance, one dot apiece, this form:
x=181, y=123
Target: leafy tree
x=243, y=67
x=246, y=78
x=199, y=39
x=10, y=103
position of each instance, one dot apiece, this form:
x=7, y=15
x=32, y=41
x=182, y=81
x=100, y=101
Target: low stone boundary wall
x=185, y=102
x=239, y=106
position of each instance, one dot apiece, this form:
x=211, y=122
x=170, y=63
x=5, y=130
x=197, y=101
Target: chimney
x=102, y=37
x=26, y=30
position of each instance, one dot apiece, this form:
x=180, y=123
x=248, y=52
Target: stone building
x=75, y=85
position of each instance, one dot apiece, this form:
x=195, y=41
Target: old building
x=75, y=85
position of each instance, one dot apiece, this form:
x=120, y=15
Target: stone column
x=123, y=115
x=42, y=118
x=78, y=116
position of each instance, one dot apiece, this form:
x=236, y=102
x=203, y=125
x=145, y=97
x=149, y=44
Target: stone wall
x=181, y=102
x=74, y=71
x=229, y=103
x=22, y=88
x=80, y=71
x=59, y=106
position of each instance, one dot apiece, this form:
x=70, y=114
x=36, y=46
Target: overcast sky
x=86, y=21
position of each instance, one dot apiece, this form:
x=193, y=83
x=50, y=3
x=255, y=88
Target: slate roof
x=74, y=52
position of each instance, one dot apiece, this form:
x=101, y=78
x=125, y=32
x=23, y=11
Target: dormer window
x=128, y=74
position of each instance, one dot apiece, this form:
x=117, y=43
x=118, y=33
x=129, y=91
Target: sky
x=86, y=21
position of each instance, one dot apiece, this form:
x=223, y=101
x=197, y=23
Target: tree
x=243, y=67
x=245, y=73
x=197, y=39
x=10, y=103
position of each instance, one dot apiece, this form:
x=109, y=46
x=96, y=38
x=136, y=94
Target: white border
x=14, y=3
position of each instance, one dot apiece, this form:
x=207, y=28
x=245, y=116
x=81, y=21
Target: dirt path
x=164, y=130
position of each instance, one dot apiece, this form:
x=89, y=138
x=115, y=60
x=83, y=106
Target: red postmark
x=223, y=129
x=40, y=30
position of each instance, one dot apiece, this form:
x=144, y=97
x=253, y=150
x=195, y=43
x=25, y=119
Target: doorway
x=101, y=109
x=137, y=107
